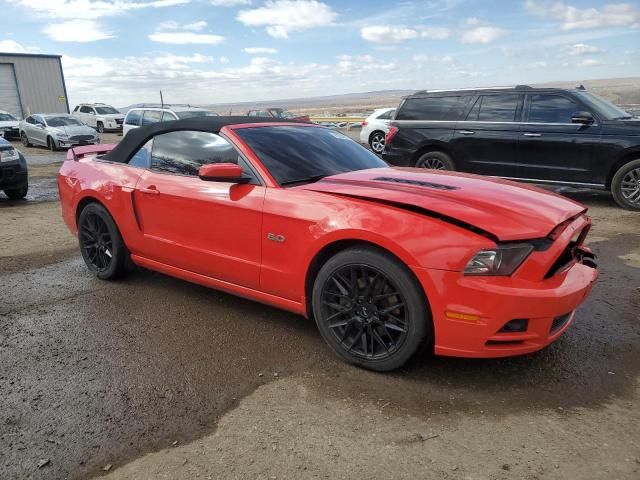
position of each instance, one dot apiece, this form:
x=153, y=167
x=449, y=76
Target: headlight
x=502, y=260
x=9, y=155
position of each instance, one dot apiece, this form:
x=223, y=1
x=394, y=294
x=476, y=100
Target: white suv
x=100, y=116
x=142, y=115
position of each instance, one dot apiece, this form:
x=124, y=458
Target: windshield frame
x=10, y=119
x=115, y=110
x=235, y=134
x=75, y=121
x=605, y=109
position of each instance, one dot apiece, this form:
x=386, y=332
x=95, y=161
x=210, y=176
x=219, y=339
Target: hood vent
x=417, y=183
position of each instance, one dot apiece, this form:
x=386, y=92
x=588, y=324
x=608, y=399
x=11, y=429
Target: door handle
x=152, y=190
x=466, y=132
x=532, y=134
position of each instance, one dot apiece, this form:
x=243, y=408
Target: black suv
x=541, y=135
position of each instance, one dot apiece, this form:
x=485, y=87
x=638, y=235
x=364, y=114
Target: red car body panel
x=217, y=234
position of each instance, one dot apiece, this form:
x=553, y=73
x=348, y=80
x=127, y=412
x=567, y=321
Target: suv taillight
x=390, y=134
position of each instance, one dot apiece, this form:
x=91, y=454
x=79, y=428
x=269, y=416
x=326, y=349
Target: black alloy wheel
x=25, y=139
x=369, y=309
x=435, y=161
x=101, y=244
x=51, y=144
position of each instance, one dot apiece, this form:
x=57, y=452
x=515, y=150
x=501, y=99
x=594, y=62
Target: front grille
x=559, y=322
x=81, y=137
x=119, y=121
x=418, y=183
x=569, y=254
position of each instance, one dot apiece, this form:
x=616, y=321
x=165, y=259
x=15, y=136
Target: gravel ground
x=96, y=374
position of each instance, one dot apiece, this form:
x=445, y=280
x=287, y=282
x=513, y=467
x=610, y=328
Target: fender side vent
x=417, y=183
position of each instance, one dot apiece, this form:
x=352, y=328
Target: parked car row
x=540, y=135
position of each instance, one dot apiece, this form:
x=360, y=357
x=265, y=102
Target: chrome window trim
x=493, y=123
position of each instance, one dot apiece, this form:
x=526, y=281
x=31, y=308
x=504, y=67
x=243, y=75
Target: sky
x=217, y=51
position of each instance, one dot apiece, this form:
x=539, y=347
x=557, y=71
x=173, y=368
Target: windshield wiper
x=300, y=181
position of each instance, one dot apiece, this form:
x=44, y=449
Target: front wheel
x=101, y=244
x=100, y=127
x=625, y=186
x=376, y=142
x=51, y=144
x=17, y=193
x=435, y=161
x=25, y=139
x=370, y=309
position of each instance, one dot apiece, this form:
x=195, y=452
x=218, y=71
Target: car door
x=486, y=141
x=206, y=227
x=38, y=132
x=554, y=148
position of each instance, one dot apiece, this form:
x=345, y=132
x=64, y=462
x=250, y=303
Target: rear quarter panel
x=109, y=183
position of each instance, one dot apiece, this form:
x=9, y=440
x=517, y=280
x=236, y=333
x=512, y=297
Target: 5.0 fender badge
x=276, y=238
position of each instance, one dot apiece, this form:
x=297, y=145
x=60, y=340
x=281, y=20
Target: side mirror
x=222, y=172
x=584, y=118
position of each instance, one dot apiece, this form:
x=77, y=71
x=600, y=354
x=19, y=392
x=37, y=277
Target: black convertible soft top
x=136, y=138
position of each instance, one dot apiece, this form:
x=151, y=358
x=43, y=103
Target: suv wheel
x=16, y=193
x=376, y=142
x=625, y=186
x=435, y=161
x=100, y=127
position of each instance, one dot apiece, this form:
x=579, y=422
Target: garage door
x=9, y=99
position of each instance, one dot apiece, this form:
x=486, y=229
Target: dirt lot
x=96, y=377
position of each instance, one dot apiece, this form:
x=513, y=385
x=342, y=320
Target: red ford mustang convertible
x=385, y=260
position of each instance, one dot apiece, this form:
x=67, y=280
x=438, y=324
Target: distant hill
x=622, y=91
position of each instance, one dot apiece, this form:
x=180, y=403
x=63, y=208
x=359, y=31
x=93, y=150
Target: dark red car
x=299, y=216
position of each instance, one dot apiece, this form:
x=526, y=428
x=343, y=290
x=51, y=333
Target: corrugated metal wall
x=40, y=83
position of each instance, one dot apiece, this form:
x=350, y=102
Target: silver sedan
x=56, y=130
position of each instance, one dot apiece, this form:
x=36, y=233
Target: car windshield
x=195, y=113
x=605, y=108
x=278, y=113
x=295, y=155
x=62, y=121
x=106, y=110
x=7, y=117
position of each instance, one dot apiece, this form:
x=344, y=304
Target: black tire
x=101, y=244
x=25, y=139
x=435, y=160
x=100, y=127
x=346, y=310
x=376, y=142
x=625, y=186
x=51, y=144
x=17, y=193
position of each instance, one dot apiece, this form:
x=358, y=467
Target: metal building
x=32, y=83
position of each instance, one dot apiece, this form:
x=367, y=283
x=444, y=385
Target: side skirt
x=232, y=288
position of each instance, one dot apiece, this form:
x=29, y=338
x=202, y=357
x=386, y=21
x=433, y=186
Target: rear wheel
x=625, y=186
x=370, y=309
x=101, y=244
x=17, y=193
x=435, y=161
x=376, y=142
x=25, y=139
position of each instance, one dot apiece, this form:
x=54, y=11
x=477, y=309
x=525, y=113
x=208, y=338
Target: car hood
x=628, y=126
x=74, y=130
x=112, y=116
x=9, y=123
x=507, y=210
